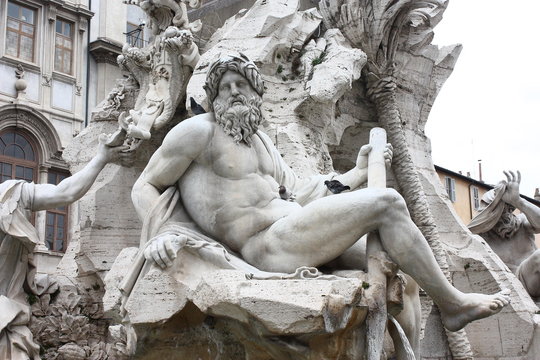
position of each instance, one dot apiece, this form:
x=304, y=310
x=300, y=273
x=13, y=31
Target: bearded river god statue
x=209, y=199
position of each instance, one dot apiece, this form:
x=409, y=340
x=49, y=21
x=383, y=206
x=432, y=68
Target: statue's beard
x=507, y=226
x=240, y=121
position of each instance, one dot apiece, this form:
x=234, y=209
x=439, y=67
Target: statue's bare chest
x=237, y=161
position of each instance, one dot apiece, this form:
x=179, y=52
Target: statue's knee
x=392, y=199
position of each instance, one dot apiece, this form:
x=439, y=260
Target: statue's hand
x=362, y=160
x=388, y=155
x=511, y=195
x=163, y=249
x=107, y=153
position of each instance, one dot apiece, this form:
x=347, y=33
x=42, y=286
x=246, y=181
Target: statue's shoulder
x=195, y=126
x=14, y=190
x=525, y=225
x=195, y=130
x=10, y=184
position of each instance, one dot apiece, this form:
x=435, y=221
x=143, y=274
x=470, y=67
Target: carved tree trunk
x=378, y=27
x=381, y=91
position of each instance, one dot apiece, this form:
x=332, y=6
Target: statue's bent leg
x=410, y=317
x=320, y=231
x=325, y=228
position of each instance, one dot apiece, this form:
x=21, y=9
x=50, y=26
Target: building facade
x=113, y=25
x=57, y=62
x=43, y=67
x=463, y=191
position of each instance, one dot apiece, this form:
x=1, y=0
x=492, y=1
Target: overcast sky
x=489, y=108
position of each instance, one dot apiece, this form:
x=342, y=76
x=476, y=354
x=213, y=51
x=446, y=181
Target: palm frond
x=379, y=27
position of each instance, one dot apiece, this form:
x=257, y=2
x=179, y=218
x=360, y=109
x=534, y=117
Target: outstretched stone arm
x=49, y=196
x=511, y=196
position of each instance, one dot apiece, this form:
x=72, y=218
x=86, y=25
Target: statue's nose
x=234, y=89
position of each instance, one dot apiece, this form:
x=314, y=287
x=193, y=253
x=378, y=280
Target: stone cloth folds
x=490, y=214
x=17, y=271
x=161, y=220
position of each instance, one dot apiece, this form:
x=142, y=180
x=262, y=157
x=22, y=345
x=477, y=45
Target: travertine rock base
x=193, y=308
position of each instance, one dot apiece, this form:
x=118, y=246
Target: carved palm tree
x=378, y=27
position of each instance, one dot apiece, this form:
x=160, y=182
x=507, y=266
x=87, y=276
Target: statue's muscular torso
x=228, y=189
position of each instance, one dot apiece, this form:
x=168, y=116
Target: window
x=56, y=219
x=450, y=188
x=20, y=31
x=475, y=198
x=17, y=157
x=135, y=35
x=63, y=48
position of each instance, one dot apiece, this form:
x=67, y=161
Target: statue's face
x=237, y=107
x=508, y=223
x=232, y=85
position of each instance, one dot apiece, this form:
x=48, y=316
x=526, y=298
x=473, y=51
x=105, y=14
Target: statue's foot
x=473, y=307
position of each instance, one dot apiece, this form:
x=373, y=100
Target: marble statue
x=161, y=70
x=18, y=238
x=511, y=236
x=228, y=174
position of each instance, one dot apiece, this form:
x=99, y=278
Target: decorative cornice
x=14, y=62
x=75, y=9
x=105, y=50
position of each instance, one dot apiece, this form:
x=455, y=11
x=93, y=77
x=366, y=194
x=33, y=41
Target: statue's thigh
x=354, y=258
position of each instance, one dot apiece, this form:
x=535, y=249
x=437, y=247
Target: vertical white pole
x=376, y=293
x=376, y=165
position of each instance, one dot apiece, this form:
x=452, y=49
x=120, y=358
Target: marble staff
x=376, y=257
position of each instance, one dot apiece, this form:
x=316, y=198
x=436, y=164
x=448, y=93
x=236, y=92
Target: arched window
x=57, y=219
x=18, y=157
x=19, y=160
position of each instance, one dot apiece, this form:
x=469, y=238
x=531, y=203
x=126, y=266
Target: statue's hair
x=239, y=64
